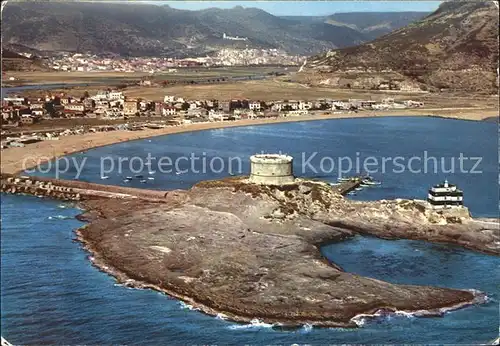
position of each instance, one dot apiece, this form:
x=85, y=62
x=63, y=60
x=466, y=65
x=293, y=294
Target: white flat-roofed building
x=254, y=105
x=115, y=95
x=305, y=105
x=445, y=195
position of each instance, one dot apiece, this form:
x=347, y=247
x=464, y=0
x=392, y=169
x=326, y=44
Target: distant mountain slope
x=455, y=47
x=142, y=29
x=375, y=24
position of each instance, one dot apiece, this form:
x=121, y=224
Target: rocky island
x=247, y=251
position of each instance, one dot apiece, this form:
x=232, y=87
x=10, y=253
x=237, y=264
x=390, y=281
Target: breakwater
x=72, y=190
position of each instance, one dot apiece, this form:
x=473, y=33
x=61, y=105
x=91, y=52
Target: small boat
x=151, y=172
x=358, y=189
x=139, y=176
x=151, y=178
x=104, y=177
x=143, y=181
x=352, y=193
x=334, y=184
x=177, y=173
x=128, y=178
x=369, y=182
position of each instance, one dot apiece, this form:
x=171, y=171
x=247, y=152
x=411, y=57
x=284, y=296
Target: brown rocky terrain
x=12, y=61
x=248, y=252
x=456, y=47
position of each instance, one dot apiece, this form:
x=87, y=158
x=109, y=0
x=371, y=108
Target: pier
x=349, y=185
x=73, y=190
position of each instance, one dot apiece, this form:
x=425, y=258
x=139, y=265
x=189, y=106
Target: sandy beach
x=15, y=160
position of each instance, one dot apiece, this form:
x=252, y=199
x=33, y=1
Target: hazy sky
x=310, y=8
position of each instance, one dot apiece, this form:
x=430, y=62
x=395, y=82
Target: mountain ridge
x=455, y=47
x=163, y=30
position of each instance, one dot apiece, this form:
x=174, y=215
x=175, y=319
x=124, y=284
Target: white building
x=381, y=106
x=339, y=105
x=305, y=105
x=293, y=104
x=115, y=95
x=166, y=111
x=217, y=116
x=297, y=112
x=277, y=106
x=254, y=105
x=445, y=195
x=17, y=101
x=101, y=95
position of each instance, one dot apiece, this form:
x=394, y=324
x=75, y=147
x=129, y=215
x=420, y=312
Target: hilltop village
x=82, y=62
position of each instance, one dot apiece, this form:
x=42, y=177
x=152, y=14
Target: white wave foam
x=361, y=319
x=255, y=323
x=187, y=306
x=306, y=328
x=221, y=316
x=59, y=217
x=125, y=286
x=403, y=313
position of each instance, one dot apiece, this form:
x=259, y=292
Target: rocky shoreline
x=354, y=322
x=244, y=252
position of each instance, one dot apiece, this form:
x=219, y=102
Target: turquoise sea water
x=52, y=295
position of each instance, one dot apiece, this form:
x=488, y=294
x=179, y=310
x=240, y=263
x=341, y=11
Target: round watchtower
x=271, y=169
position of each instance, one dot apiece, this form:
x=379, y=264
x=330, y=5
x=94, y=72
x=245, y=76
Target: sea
x=51, y=294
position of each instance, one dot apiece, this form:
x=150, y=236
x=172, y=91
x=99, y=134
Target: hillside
x=143, y=29
x=456, y=47
x=11, y=61
x=375, y=24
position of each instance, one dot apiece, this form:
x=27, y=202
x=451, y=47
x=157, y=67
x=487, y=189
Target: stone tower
x=271, y=169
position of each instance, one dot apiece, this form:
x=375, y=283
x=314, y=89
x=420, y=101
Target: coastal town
x=19, y=112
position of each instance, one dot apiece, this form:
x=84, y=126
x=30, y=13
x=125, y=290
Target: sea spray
x=60, y=217
x=254, y=324
x=306, y=328
x=221, y=316
x=187, y=306
x=361, y=319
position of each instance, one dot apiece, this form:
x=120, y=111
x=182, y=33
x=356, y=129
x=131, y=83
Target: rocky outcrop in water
x=247, y=251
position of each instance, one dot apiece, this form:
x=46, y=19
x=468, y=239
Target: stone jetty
x=72, y=190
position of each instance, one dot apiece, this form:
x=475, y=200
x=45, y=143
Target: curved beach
x=15, y=160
